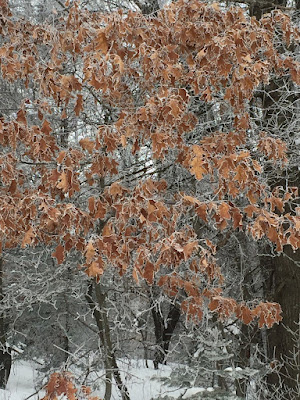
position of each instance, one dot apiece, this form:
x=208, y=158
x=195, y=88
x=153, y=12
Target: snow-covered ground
x=143, y=383
x=21, y=382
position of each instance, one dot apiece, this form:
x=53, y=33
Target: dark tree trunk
x=5, y=354
x=110, y=362
x=259, y=7
x=163, y=332
x=282, y=283
x=5, y=366
x=244, y=361
x=283, y=339
x=148, y=7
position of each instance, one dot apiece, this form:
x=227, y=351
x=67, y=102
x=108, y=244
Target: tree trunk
x=282, y=285
x=5, y=354
x=259, y=7
x=283, y=273
x=244, y=361
x=164, y=332
x=283, y=339
x=110, y=362
x=148, y=7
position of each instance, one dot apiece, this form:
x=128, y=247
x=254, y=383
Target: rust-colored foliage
x=187, y=49
x=63, y=384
